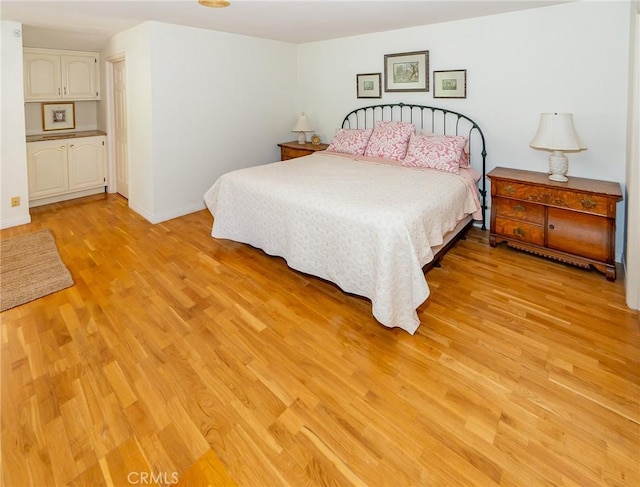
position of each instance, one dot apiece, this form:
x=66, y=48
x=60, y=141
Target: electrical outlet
x=15, y=201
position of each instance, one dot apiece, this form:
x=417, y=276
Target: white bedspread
x=367, y=227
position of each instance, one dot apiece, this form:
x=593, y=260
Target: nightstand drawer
x=519, y=210
x=291, y=150
x=588, y=203
x=518, y=230
x=291, y=153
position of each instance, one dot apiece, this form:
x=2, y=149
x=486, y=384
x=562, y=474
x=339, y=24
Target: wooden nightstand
x=574, y=222
x=291, y=150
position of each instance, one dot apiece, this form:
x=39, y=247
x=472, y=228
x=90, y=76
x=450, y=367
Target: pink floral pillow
x=442, y=152
x=350, y=141
x=390, y=140
x=464, y=158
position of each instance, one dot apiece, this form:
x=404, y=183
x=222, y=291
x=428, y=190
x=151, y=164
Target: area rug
x=30, y=267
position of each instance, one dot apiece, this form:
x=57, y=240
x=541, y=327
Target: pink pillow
x=390, y=140
x=350, y=141
x=442, y=152
x=464, y=158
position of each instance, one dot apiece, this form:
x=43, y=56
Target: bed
x=372, y=213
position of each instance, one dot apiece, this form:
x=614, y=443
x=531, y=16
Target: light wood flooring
x=179, y=359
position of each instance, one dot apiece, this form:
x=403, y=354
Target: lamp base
x=302, y=138
x=558, y=166
x=558, y=178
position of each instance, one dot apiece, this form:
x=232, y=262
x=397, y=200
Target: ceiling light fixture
x=214, y=3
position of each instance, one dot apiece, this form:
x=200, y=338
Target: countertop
x=66, y=135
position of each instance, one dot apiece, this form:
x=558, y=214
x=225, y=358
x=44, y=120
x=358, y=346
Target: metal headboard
x=431, y=119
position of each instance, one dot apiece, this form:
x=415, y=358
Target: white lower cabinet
x=66, y=168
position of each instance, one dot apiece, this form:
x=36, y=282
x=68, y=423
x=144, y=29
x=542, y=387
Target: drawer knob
x=518, y=231
x=518, y=207
x=588, y=203
x=551, y=227
x=509, y=189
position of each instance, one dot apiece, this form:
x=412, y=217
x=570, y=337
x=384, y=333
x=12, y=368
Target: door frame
x=111, y=123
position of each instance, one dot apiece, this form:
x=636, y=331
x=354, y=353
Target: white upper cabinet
x=42, y=79
x=61, y=75
x=80, y=77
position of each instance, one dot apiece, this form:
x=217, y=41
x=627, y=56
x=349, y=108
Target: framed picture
x=407, y=71
x=368, y=85
x=450, y=84
x=58, y=116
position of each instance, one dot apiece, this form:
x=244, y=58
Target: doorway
x=120, y=135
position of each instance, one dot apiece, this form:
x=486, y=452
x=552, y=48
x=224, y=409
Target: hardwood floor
x=181, y=359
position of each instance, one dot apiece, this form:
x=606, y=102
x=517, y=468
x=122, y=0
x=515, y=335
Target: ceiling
x=88, y=23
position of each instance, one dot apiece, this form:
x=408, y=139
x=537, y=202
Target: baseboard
x=66, y=196
x=14, y=222
x=631, y=287
x=167, y=215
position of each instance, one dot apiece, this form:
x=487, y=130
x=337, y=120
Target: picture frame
x=406, y=71
x=58, y=116
x=450, y=84
x=368, y=85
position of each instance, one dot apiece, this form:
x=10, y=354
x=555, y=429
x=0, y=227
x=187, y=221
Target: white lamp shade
x=302, y=124
x=556, y=132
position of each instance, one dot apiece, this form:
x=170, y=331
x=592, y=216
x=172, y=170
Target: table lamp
x=556, y=133
x=302, y=125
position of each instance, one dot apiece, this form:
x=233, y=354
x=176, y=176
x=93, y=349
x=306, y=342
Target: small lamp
x=557, y=134
x=302, y=125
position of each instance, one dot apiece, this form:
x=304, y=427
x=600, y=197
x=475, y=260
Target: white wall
x=135, y=45
x=232, y=112
x=632, y=261
x=564, y=58
x=86, y=117
x=13, y=161
x=210, y=102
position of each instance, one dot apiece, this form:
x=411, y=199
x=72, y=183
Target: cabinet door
x=47, y=166
x=42, y=77
x=86, y=163
x=80, y=77
x=581, y=234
